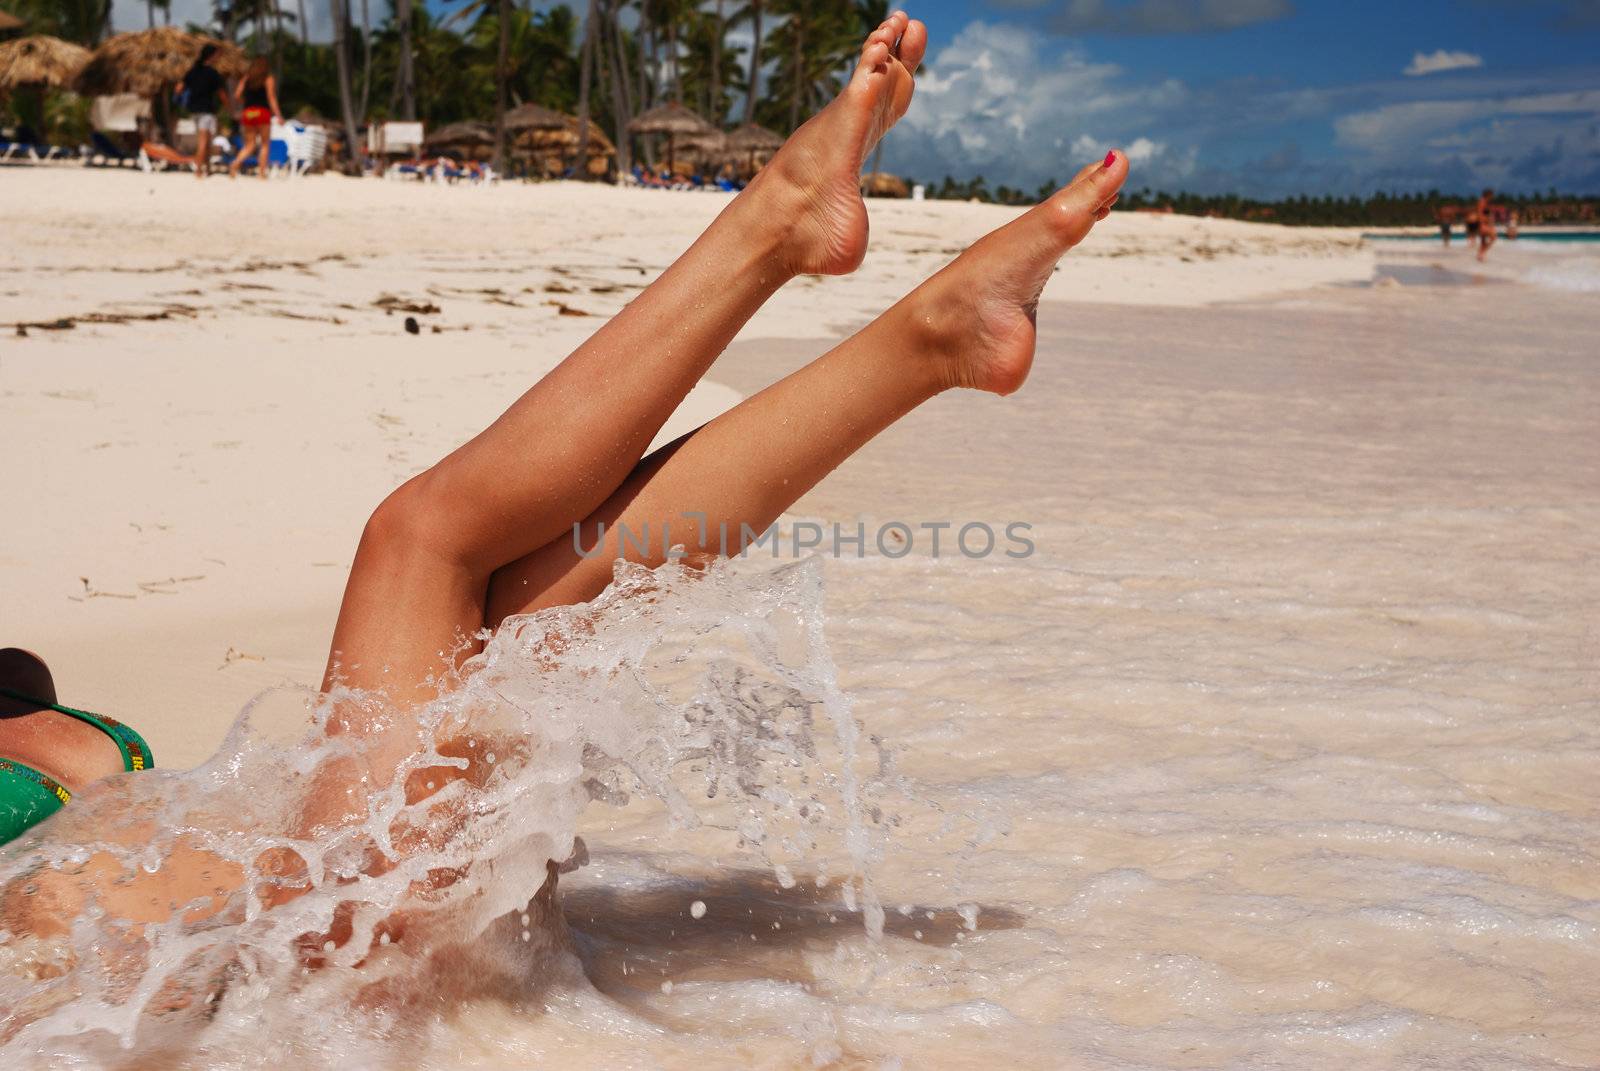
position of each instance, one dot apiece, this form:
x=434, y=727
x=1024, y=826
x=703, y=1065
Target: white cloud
x=993, y=103
x=1402, y=128
x=1434, y=62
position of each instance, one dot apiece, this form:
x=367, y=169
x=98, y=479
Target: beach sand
x=1277, y=751
x=193, y=478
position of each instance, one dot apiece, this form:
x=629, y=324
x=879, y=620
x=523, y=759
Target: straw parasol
x=150, y=62
x=39, y=62
x=883, y=184
x=555, y=149
x=673, y=120
x=752, y=138
x=9, y=22
x=466, y=136
x=532, y=116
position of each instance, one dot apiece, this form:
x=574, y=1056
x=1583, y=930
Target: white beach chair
x=303, y=146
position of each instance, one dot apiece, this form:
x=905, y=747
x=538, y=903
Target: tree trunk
x=624, y=103
x=277, y=39
x=341, y=59
x=672, y=50
x=799, y=32
x=646, y=97
x=405, y=77
x=714, y=109
x=305, y=30
x=501, y=71
x=755, y=62
x=150, y=11
x=366, y=60
x=585, y=75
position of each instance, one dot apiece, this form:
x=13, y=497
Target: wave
x=213, y=923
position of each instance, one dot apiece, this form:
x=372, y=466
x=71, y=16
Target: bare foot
x=978, y=313
x=815, y=180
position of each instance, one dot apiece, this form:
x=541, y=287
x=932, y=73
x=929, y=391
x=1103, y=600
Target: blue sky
x=1260, y=97
x=1263, y=97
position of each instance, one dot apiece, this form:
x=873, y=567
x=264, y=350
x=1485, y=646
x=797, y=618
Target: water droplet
x=527, y=935
x=489, y=758
x=327, y=946
x=666, y=987
x=697, y=909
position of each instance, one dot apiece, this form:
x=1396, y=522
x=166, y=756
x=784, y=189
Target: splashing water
x=209, y=921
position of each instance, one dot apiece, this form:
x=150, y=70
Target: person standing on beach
x=201, y=88
x=257, y=94
x=1446, y=216
x=1486, y=234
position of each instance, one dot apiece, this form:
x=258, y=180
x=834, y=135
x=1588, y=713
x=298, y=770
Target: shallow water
x=1282, y=750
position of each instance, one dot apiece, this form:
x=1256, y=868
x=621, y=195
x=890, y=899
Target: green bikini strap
x=135, y=752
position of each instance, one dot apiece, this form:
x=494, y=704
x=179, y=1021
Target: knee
x=410, y=522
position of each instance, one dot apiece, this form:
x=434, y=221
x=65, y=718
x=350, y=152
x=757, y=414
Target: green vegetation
x=1379, y=210
x=615, y=60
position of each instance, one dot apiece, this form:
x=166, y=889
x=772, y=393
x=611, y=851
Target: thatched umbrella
x=39, y=62
x=150, y=62
x=671, y=119
x=752, y=138
x=555, y=148
x=532, y=116
x=883, y=184
x=9, y=22
x=466, y=136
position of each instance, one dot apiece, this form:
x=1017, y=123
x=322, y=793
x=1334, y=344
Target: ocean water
x=1279, y=750
x=1560, y=260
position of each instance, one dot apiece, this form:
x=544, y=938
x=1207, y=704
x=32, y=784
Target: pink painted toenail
x=1111, y=158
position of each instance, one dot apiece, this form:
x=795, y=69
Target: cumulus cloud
x=1521, y=141
x=1434, y=62
x=993, y=103
x=1165, y=16
x=1417, y=124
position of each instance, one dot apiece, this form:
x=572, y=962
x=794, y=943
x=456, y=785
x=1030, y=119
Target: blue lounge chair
x=102, y=146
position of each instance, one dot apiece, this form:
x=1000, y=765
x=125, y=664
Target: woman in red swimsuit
x=257, y=93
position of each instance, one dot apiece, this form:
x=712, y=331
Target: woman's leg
x=418, y=587
x=971, y=325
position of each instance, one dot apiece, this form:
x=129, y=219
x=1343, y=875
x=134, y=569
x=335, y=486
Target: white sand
x=188, y=491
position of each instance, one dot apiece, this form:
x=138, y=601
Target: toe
x=874, y=58
x=1076, y=208
x=913, y=45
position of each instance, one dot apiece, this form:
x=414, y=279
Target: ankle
x=936, y=326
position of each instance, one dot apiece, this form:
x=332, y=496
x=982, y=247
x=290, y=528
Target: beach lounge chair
x=103, y=152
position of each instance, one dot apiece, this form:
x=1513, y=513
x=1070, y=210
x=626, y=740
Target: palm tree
x=585, y=75
x=82, y=22
x=622, y=95
x=341, y=59
x=719, y=29
x=753, y=13
x=405, y=75
x=501, y=67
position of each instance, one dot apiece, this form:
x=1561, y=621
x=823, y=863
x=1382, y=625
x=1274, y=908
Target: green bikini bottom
x=28, y=796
